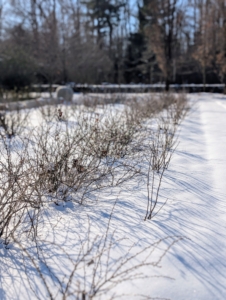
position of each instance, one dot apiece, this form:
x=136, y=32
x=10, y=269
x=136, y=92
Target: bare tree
x=220, y=31
x=164, y=25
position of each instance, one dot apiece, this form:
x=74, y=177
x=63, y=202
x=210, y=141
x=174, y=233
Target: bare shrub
x=161, y=149
x=179, y=109
x=48, y=112
x=93, y=269
x=92, y=100
x=16, y=195
x=13, y=122
x=63, y=161
x=79, y=159
x=160, y=153
x=145, y=106
x=51, y=113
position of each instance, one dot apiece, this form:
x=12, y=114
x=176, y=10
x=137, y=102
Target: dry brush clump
x=53, y=112
x=18, y=201
x=161, y=148
x=68, y=161
x=71, y=159
x=58, y=162
x=95, y=267
x=72, y=155
x=92, y=100
x=12, y=123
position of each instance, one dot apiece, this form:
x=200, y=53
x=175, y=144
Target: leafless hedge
x=76, y=152
x=68, y=161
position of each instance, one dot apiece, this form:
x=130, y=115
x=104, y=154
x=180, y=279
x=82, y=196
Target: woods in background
x=117, y=41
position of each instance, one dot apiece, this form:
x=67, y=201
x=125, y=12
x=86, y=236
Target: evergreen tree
x=105, y=15
x=136, y=66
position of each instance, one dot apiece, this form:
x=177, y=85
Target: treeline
x=117, y=41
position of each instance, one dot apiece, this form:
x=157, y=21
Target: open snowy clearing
x=193, y=217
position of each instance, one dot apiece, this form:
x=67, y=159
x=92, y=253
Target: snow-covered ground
x=197, y=211
x=194, y=217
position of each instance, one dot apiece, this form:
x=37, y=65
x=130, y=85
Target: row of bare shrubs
x=75, y=152
x=103, y=146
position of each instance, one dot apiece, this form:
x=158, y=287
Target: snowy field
x=179, y=254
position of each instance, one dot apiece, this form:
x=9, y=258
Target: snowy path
x=198, y=185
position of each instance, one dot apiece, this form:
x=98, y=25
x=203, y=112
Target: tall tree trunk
x=34, y=28
x=116, y=70
x=167, y=85
x=204, y=77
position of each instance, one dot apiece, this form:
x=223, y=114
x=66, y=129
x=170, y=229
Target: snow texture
x=195, y=186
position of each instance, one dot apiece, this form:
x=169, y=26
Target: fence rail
x=134, y=88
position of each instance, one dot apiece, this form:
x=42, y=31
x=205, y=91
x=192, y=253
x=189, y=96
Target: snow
x=197, y=179
x=194, y=217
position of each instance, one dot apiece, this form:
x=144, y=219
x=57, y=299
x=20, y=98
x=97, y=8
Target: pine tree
x=105, y=15
x=135, y=64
